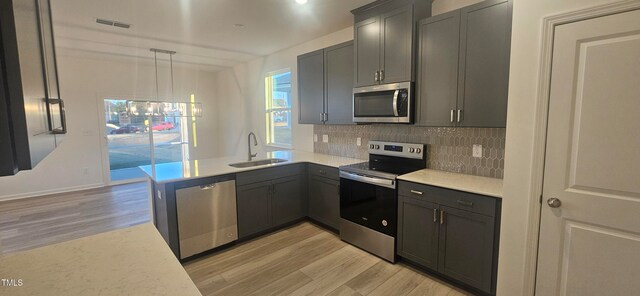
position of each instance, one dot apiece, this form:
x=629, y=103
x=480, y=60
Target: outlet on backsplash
x=359, y=141
x=315, y=138
x=477, y=150
x=325, y=138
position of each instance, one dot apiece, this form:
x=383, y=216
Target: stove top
x=389, y=160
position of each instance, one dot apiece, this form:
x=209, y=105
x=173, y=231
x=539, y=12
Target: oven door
x=369, y=201
x=382, y=103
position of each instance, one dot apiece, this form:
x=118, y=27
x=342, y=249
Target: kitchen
x=459, y=224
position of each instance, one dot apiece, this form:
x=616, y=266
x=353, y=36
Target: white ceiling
x=203, y=32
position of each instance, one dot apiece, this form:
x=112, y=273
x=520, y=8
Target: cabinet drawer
x=452, y=198
x=268, y=174
x=324, y=171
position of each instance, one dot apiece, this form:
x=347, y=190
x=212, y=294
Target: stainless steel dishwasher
x=207, y=215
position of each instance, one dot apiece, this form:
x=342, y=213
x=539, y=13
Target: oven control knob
x=371, y=146
x=418, y=150
x=384, y=223
x=377, y=147
x=411, y=150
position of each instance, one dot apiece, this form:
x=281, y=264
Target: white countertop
x=178, y=171
x=130, y=261
x=468, y=183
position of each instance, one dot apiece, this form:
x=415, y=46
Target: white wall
x=247, y=79
x=84, y=80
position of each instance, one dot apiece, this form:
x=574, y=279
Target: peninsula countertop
x=468, y=183
x=129, y=261
x=193, y=169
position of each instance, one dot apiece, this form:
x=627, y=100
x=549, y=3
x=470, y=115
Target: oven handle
x=370, y=180
x=395, y=103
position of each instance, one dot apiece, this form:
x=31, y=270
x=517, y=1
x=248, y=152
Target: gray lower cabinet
x=325, y=85
x=324, y=201
x=450, y=232
x=418, y=231
x=466, y=247
x=269, y=198
x=463, y=66
x=254, y=204
x=287, y=203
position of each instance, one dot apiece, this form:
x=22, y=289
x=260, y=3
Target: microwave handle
x=395, y=103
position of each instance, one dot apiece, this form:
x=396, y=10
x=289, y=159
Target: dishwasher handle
x=208, y=187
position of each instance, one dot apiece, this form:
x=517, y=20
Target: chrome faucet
x=255, y=143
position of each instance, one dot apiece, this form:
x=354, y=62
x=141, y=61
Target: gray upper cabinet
x=367, y=51
x=463, y=81
x=484, y=64
x=384, y=38
x=338, y=77
x=325, y=85
x=311, y=87
x=397, y=42
x=438, y=70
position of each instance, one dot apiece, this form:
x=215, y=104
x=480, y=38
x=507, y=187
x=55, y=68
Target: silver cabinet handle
x=381, y=75
x=326, y=117
x=435, y=215
x=417, y=192
x=322, y=117
x=376, y=76
x=452, y=115
x=459, y=115
x=465, y=203
x=441, y=217
x=554, y=202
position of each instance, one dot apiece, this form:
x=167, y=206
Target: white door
x=590, y=243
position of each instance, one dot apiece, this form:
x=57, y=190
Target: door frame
x=541, y=121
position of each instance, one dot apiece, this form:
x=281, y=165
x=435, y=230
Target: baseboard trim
x=51, y=191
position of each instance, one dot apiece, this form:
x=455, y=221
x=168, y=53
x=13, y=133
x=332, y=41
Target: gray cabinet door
x=437, y=87
x=396, y=53
x=254, y=208
x=367, y=35
x=418, y=229
x=287, y=203
x=324, y=201
x=311, y=87
x=485, y=44
x=466, y=247
x=338, y=77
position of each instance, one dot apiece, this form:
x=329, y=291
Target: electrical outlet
x=359, y=141
x=315, y=137
x=325, y=138
x=477, y=150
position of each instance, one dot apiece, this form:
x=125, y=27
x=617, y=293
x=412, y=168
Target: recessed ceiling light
x=238, y=25
x=301, y=1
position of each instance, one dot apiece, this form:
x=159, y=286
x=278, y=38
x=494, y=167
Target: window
x=278, y=108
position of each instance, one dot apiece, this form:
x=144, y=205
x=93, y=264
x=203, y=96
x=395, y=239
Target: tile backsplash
x=448, y=148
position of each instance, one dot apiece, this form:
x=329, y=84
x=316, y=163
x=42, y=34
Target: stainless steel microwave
x=387, y=103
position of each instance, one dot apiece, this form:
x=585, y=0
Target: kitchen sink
x=257, y=162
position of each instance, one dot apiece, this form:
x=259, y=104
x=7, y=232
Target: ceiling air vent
x=113, y=23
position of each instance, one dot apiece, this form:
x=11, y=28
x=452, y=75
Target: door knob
x=554, y=202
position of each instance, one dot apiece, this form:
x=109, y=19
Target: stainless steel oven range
x=369, y=199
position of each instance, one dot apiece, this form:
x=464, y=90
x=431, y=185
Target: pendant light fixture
x=157, y=107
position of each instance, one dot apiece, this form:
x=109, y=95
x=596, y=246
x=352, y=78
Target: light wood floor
x=33, y=222
x=307, y=260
